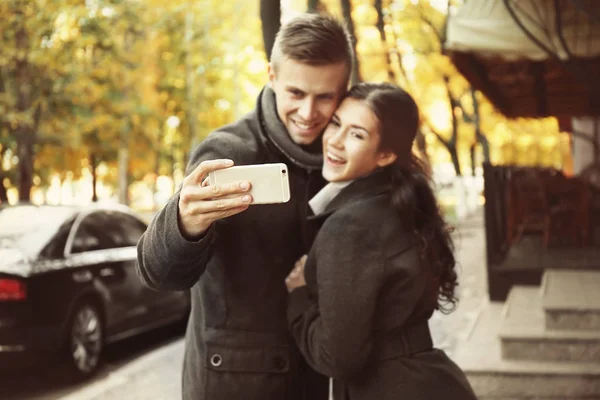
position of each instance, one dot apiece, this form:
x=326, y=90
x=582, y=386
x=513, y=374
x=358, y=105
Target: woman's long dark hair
x=413, y=196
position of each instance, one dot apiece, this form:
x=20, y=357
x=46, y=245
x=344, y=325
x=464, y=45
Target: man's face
x=307, y=96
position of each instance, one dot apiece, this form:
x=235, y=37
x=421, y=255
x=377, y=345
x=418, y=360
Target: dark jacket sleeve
x=166, y=260
x=335, y=334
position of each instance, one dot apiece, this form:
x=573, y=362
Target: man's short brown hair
x=315, y=40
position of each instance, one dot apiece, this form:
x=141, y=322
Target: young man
x=235, y=257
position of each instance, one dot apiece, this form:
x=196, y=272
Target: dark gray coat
x=238, y=345
x=362, y=318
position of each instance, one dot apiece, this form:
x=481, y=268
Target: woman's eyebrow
x=360, y=128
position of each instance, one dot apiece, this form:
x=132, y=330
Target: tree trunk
x=454, y=157
x=173, y=172
x=123, y=163
x=451, y=144
x=313, y=6
x=420, y=138
x=596, y=142
x=123, y=154
x=270, y=17
x=422, y=146
x=157, y=167
x=190, y=75
x=3, y=190
x=25, y=166
x=347, y=12
x=93, y=167
x=24, y=132
x=479, y=136
x=383, y=36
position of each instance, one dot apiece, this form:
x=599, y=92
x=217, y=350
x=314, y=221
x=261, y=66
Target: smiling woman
x=381, y=261
x=351, y=143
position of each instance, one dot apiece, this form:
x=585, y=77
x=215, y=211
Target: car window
x=107, y=229
x=97, y=231
x=130, y=228
x=56, y=246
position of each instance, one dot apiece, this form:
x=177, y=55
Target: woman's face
x=351, y=142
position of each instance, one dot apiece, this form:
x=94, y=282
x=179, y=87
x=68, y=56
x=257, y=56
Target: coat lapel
x=372, y=185
x=369, y=186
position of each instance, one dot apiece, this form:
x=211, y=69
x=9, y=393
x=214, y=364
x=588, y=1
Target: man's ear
x=272, y=76
x=386, y=158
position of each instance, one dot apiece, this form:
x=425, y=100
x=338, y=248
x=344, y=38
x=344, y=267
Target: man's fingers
x=221, y=205
x=215, y=191
x=205, y=167
x=191, y=193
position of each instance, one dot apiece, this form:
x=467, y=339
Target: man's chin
x=304, y=140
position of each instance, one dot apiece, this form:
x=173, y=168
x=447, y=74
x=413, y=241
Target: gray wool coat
x=362, y=317
x=237, y=343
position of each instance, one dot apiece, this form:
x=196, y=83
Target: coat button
x=279, y=363
x=216, y=360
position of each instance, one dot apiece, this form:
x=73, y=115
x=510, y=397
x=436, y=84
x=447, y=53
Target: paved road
x=145, y=367
x=149, y=367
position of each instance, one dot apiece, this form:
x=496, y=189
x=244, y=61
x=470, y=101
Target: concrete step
x=571, y=299
x=494, y=378
x=524, y=336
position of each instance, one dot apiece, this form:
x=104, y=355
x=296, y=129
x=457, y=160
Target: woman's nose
x=337, y=139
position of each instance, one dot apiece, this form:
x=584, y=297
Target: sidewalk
x=472, y=292
x=155, y=376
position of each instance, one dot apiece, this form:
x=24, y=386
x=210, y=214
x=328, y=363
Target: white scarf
x=320, y=201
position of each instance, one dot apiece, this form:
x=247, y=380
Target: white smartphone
x=269, y=182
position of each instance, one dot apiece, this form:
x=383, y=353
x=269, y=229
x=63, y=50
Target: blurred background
x=101, y=100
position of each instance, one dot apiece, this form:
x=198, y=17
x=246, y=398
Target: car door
x=100, y=242
x=162, y=305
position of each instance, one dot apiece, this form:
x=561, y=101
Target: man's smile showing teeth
x=303, y=125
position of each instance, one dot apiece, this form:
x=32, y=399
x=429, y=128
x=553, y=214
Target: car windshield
x=29, y=228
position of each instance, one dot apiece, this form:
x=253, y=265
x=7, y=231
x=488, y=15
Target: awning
x=531, y=58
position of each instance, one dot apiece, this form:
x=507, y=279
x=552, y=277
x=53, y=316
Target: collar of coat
x=375, y=184
x=278, y=136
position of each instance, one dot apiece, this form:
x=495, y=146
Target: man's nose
x=307, y=110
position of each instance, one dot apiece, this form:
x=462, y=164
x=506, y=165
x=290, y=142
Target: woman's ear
x=386, y=158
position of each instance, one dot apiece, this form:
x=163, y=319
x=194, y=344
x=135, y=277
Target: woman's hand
x=296, y=277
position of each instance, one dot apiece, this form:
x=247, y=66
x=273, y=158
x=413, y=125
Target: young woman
x=381, y=261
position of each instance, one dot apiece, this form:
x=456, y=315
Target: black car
x=68, y=285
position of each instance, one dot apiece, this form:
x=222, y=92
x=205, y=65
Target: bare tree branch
x=347, y=12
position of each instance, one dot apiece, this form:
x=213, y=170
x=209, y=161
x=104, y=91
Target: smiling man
x=235, y=258
x=306, y=95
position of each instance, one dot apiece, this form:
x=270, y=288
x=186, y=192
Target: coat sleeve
x=335, y=333
x=166, y=260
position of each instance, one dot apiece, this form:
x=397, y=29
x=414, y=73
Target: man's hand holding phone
x=201, y=204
